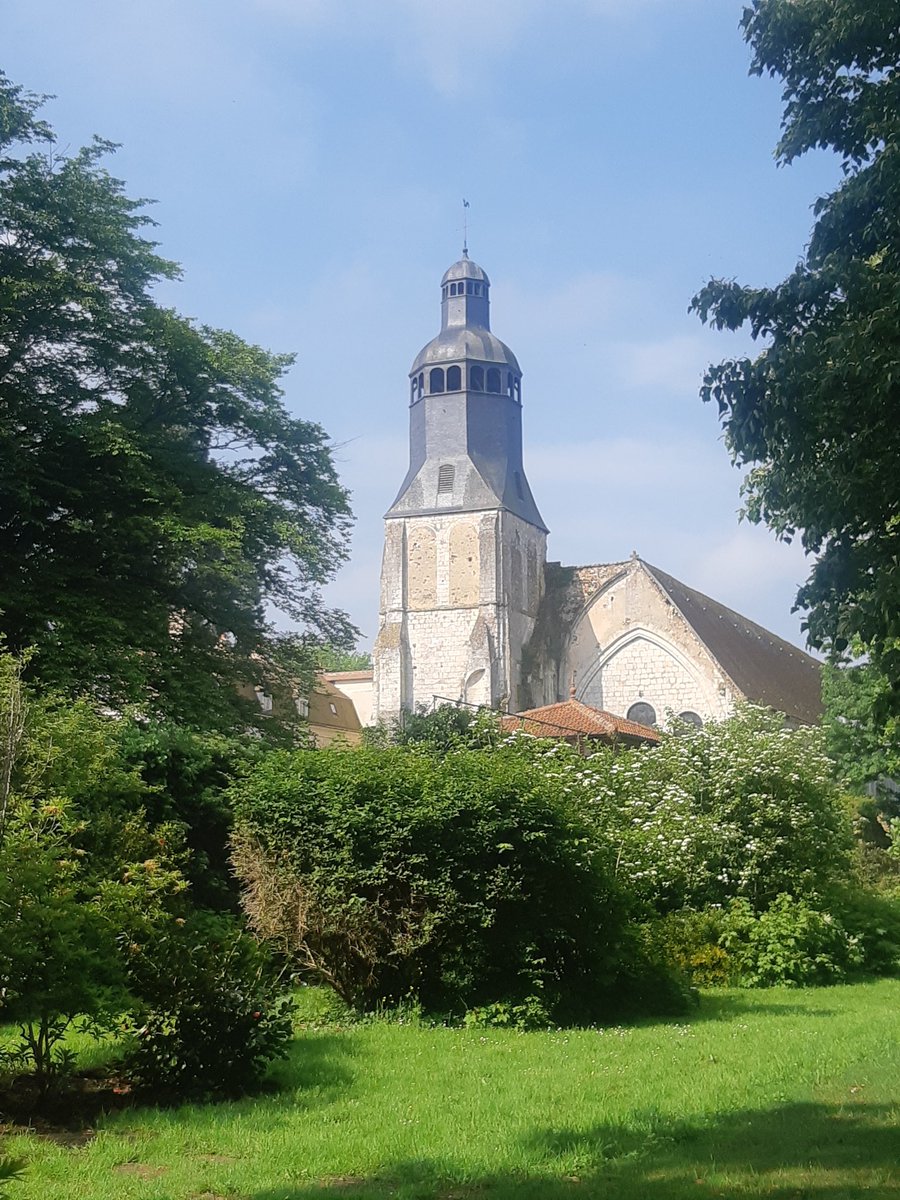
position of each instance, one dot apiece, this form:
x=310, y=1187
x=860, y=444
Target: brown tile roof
x=767, y=669
x=570, y=718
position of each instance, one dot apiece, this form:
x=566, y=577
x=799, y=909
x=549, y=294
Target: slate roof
x=762, y=666
x=571, y=718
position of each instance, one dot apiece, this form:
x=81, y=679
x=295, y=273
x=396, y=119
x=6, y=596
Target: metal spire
x=465, y=228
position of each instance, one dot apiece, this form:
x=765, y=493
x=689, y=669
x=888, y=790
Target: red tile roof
x=571, y=718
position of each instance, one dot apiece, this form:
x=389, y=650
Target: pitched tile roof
x=764, y=667
x=571, y=718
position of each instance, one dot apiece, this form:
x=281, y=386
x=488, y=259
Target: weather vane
x=465, y=227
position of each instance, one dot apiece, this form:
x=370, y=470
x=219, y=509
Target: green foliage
x=742, y=808
x=11, y=1169
x=336, y=658
x=94, y=919
x=791, y=942
x=462, y=881
x=156, y=498
x=691, y=942
x=814, y=414
x=212, y=1015
x=186, y=775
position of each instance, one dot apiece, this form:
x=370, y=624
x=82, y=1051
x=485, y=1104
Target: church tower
x=464, y=548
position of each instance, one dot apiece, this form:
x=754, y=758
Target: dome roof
x=464, y=342
x=465, y=269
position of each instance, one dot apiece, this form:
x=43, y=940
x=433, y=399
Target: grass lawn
x=777, y=1094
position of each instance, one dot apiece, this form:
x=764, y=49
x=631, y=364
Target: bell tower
x=464, y=550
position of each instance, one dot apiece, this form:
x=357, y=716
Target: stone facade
x=464, y=547
x=458, y=603
x=620, y=642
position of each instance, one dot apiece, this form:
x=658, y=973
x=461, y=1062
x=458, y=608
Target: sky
x=309, y=158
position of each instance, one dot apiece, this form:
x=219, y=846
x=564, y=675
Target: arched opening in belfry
x=436, y=379
x=493, y=380
x=446, y=473
x=454, y=379
x=413, y=390
x=476, y=379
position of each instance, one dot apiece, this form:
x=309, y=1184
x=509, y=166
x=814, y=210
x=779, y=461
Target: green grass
x=777, y=1094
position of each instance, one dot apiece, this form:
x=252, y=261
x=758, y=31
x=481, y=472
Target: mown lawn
x=777, y=1094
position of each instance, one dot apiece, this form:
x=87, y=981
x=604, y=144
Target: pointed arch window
x=454, y=379
x=493, y=380
x=476, y=379
x=436, y=379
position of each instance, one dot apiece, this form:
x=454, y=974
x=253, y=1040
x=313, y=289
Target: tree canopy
x=157, y=500
x=814, y=415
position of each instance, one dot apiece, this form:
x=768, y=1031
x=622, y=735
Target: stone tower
x=464, y=546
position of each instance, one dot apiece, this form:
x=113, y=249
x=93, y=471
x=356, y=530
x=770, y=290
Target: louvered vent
x=445, y=478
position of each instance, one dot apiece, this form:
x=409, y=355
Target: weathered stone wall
x=612, y=633
x=459, y=597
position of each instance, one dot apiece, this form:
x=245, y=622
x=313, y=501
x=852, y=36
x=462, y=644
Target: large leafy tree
x=157, y=500
x=815, y=414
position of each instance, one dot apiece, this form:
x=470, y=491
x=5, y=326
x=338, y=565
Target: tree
x=156, y=497
x=334, y=658
x=815, y=413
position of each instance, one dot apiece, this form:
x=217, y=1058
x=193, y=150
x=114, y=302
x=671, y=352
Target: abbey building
x=470, y=608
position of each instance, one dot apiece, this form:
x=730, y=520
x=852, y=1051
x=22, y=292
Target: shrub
x=212, y=1014
x=691, y=942
x=745, y=808
x=461, y=882
x=791, y=943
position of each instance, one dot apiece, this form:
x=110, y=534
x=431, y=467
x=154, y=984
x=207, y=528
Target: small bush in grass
x=691, y=942
x=461, y=881
x=213, y=1014
x=791, y=942
x=11, y=1170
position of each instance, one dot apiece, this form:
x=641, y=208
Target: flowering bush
x=745, y=808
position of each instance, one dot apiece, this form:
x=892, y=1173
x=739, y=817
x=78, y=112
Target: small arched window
x=493, y=380
x=454, y=379
x=519, y=388
x=421, y=381
x=476, y=379
x=477, y=289
x=446, y=472
x=469, y=289
x=413, y=390
x=436, y=379
x=642, y=713
x=510, y=384
x=691, y=718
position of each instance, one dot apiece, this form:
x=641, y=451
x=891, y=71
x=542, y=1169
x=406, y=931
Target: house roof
x=572, y=718
x=331, y=712
x=348, y=676
x=762, y=666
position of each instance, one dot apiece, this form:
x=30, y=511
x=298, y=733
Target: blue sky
x=309, y=158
